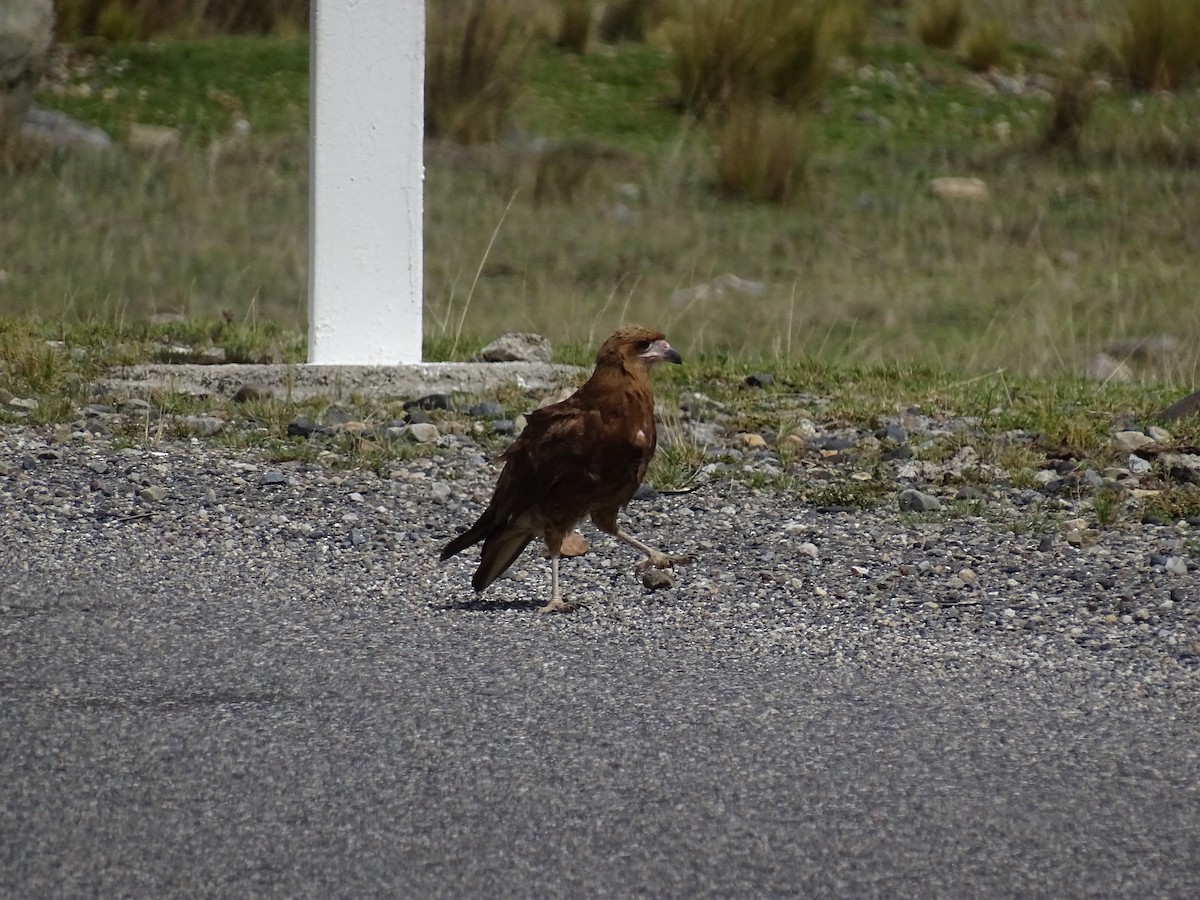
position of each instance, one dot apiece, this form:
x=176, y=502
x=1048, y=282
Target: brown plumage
x=582, y=457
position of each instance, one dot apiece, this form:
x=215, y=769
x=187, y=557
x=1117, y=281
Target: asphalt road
x=248, y=744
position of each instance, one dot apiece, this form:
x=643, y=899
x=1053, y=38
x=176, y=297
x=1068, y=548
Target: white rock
x=954, y=188
x=422, y=432
x=1128, y=441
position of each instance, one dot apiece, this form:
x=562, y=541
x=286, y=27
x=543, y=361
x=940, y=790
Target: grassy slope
x=867, y=268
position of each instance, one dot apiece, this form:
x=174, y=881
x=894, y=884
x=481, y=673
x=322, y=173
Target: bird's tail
x=499, y=551
x=472, y=535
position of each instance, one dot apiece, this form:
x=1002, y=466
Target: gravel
x=227, y=675
x=770, y=575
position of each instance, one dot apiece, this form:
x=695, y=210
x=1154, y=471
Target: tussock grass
x=1158, y=45
x=728, y=52
x=985, y=46
x=574, y=25
x=120, y=20
x=1071, y=255
x=475, y=64
x=939, y=23
x=1069, y=113
x=762, y=153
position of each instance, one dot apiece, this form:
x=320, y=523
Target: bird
x=582, y=457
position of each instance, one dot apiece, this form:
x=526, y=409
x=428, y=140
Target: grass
x=1073, y=253
x=57, y=364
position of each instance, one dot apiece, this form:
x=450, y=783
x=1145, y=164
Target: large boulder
x=26, y=30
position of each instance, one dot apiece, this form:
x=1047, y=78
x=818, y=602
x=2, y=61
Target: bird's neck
x=619, y=386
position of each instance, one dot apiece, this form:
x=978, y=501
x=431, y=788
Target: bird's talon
x=662, y=561
x=558, y=605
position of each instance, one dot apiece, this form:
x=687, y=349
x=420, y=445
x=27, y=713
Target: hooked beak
x=661, y=351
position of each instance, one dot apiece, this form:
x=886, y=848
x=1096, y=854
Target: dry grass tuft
x=574, y=25
x=939, y=23
x=1072, y=106
x=1158, y=47
x=629, y=20
x=728, y=52
x=985, y=46
x=761, y=153
x=475, y=60
x=122, y=20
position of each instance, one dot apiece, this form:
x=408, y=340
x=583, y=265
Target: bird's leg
x=655, y=559
x=556, y=604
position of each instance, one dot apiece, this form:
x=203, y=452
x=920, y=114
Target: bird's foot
x=657, y=560
x=559, y=605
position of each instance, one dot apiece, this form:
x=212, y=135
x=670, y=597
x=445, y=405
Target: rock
x=487, y=410
x=574, y=544
x=1158, y=434
x=503, y=426
x=759, y=381
x=429, y=401
x=213, y=356
x=153, y=138
x=273, y=478
x=26, y=30
x=1081, y=537
x=440, y=492
x=645, y=492
x=1046, y=544
x=951, y=188
x=1150, y=350
x=809, y=549
x=912, y=500
x=26, y=403
x=1181, y=466
x=61, y=131
x=306, y=429
x=1176, y=565
x=99, y=466
x=1128, y=441
x=422, y=433
x=1103, y=367
x=753, y=441
x=154, y=493
x=338, y=415
x=1137, y=465
x=203, y=426
x=517, y=346
x=718, y=287
x=248, y=392
x=658, y=579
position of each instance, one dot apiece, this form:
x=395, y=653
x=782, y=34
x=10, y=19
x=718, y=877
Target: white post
x=365, y=196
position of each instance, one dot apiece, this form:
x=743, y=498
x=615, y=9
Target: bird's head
x=631, y=345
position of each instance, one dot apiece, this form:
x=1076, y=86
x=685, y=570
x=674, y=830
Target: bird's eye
x=643, y=346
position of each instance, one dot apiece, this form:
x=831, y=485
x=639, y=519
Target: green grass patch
x=1071, y=254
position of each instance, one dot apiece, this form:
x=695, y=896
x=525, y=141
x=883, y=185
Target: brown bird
x=582, y=457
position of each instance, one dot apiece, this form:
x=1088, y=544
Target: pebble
x=422, y=433
x=1128, y=441
x=658, y=579
x=912, y=500
x=488, y=410
x=943, y=585
x=1137, y=465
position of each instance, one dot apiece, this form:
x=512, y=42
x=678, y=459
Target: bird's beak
x=661, y=351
